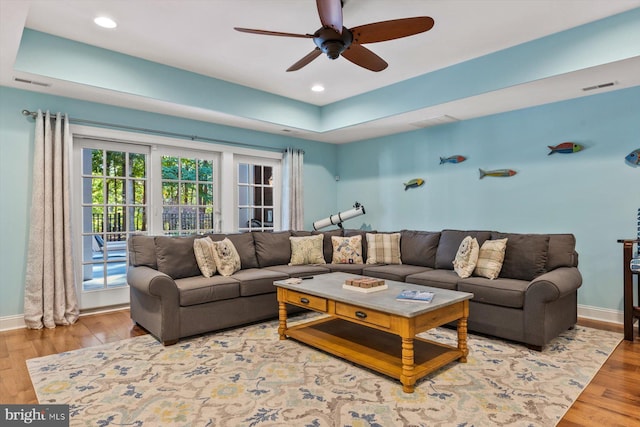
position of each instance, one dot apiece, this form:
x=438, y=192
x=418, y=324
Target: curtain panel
x=292, y=194
x=50, y=295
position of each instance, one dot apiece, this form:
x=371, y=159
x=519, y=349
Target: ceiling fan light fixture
x=105, y=22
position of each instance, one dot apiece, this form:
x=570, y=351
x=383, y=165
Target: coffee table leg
x=407, y=378
x=462, y=339
x=282, y=316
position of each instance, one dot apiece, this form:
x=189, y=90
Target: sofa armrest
x=555, y=284
x=152, y=282
x=155, y=303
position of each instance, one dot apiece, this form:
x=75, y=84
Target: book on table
x=415, y=296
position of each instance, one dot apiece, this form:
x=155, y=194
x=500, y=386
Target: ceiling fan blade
x=393, y=29
x=307, y=59
x=363, y=57
x=330, y=12
x=272, y=33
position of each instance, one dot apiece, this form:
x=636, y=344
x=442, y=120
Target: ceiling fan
x=335, y=40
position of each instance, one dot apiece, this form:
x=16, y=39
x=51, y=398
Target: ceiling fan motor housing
x=331, y=42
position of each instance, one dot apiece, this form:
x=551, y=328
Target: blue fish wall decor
x=414, y=183
x=452, y=159
x=633, y=158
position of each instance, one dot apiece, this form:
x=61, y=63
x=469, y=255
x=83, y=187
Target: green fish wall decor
x=416, y=182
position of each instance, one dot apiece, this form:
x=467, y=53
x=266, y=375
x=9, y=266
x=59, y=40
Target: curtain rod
x=33, y=114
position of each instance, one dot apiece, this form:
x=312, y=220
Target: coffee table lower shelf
x=372, y=348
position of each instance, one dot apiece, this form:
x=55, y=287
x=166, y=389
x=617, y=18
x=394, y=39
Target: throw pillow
x=383, y=248
x=203, y=250
x=490, y=258
x=307, y=250
x=466, y=257
x=347, y=250
x=226, y=256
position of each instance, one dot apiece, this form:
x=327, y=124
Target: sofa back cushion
x=327, y=245
x=243, y=242
x=526, y=255
x=176, y=257
x=562, y=251
x=419, y=247
x=142, y=251
x=449, y=244
x=272, y=248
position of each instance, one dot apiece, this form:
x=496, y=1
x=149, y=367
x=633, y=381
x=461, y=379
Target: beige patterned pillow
x=466, y=257
x=227, y=257
x=490, y=258
x=307, y=250
x=347, y=250
x=203, y=250
x=383, y=248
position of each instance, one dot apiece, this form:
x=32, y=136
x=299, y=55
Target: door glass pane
x=115, y=163
x=169, y=167
x=205, y=170
x=137, y=165
x=188, y=169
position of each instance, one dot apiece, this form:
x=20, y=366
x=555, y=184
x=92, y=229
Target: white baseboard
x=601, y=314
x=8, y=323
x=594, y=313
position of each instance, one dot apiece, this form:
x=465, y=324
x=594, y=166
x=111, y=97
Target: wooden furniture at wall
x=631, y=311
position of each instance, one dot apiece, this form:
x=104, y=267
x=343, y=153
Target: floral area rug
x=248, y=377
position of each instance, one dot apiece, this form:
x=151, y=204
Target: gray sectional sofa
x=532, y=301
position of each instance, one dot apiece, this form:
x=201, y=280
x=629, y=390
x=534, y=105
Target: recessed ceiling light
x=317, y=88
x=105, y=22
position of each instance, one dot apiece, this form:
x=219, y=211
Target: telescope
x=338, y=218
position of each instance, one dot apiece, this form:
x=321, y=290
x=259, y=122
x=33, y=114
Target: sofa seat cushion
x=256, y=281
x=300, y=270
x=443, y=279
x=502, y=292
x=346, y=268
x=397, y=272
x=199, y=289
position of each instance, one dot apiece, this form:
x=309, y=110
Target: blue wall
x=593, y=194
x=16, y=151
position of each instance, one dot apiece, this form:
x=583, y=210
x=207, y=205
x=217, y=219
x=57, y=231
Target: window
x=257, y=205
x=188, y=202
x=125, y=183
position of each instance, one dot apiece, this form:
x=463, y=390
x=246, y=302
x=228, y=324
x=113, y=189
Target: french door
x=114, y=188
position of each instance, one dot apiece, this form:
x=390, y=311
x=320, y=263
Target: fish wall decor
x=633, y=158
x=452, y=159
x=497, y=173
x=565, y=148
x=414, y=183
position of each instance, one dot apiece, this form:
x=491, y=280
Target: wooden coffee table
x=374, y=329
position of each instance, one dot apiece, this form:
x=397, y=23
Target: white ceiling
x=198, y=36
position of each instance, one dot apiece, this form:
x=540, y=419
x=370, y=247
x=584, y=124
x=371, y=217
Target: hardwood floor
x=611, y=399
